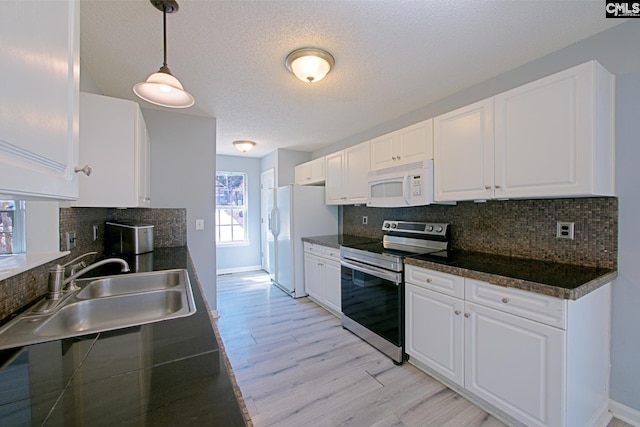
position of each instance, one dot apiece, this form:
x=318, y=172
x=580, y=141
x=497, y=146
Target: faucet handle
x=78, y=258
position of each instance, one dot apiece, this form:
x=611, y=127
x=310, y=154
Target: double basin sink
x=105, y=303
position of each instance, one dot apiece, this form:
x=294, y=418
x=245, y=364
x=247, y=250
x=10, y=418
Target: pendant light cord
x=164, y=26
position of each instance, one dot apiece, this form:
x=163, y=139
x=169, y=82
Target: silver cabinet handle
x=487, y=187
x=428, y=280
x=86, y=169
x=467, y=315
x=457, y=312
x=393, y=157
x=505, y=300
x=497, y=187
x=398, y=157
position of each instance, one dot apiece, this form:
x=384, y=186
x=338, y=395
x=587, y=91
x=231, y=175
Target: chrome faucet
x=57, y=282
x=69, y=282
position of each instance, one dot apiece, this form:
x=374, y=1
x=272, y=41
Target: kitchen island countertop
x=165, y=373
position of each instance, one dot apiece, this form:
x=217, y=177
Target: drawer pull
x=505, y=300
x=428, y=280
x=457, y=312
x=467, y=315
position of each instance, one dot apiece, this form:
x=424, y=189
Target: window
x=12, y=220
x=231, y=208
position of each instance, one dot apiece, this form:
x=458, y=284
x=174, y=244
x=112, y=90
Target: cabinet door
x=546, y=136
x=334, y=187
x=301, y=174
x=383, y=152
x=143, y=161
x=332, y=284
x=316, y=171
x=434, y=331
x=357, y=172
x=39, y=123
x=515, y=364
x=415, y=143
x=463, y=146
x=313, y=276
x=108, y=133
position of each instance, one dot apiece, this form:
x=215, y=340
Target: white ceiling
x=392, y=57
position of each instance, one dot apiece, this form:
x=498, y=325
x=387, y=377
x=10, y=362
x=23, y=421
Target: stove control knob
x=394, y=225
x=429, y=227
x=438, y=229
x=387, y=225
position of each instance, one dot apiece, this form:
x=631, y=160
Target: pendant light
x=310, y=64
x=162, y=88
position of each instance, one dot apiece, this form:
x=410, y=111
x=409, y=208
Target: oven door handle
x=374, y=271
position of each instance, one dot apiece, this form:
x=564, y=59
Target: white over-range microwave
x=400, y=186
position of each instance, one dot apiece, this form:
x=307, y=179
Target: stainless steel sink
x=127, y=284
x=104, y=304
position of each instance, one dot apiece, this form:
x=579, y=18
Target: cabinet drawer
x=444, y=283
x=331, y=253
x=541, y=308
x=312, y=248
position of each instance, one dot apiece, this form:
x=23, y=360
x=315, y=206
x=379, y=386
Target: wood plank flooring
x=296, y=366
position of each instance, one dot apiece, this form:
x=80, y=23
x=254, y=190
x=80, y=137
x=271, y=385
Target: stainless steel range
x=373, y=281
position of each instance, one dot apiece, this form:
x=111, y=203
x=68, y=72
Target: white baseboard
x=238, y=269
x=625, y=413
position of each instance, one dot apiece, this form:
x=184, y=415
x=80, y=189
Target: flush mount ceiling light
x=310, y=64
x=162, y=88
x=244, y=146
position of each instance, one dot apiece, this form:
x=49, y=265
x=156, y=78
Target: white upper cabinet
x=39, y=123
x=310, y=173
x=463, y=153
x=347, y=175
x=407, y=145
x=554, y=136
x=549, y=138
x=115, y=143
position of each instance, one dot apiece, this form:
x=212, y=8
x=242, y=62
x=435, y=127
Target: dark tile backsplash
x=518, y=228
x=170, y=229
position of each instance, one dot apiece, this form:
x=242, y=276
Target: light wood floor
x=296, y=366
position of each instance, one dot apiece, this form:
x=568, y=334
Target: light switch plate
x=199, y=224
x=70, y=237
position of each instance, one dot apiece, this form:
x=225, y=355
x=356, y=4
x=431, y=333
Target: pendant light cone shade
x=244, y=146
x=162, y=88
x=310, y=64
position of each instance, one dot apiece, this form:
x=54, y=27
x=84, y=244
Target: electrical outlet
x=565, y=230
x=70, y=237
x=365, y=220
x=199, y=224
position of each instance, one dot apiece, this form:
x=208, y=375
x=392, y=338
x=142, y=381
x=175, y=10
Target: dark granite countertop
x=169, y=373
x=565, y=281
x=336, y=240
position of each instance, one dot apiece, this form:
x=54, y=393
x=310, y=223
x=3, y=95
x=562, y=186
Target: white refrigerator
x=298, y=211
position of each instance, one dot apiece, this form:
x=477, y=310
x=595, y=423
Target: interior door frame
x=267, y=186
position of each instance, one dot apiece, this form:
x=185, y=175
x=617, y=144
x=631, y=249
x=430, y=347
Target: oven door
x=373, y=298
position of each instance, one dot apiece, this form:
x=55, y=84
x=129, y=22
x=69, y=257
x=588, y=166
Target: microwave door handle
x=405, y=185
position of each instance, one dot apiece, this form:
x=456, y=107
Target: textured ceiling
x=392, y=57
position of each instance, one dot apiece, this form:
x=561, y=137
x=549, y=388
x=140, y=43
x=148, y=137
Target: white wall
x=283, y=162
x=183, y=165
x=246, y=257
x=617, y=50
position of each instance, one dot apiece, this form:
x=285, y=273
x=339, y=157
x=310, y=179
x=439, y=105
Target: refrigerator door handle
x=275, y=222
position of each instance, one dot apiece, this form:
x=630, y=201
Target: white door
x=267, y=198
x=515, y=364
x=463, y=144
x=435, y=331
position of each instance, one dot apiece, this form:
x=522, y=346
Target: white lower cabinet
x=497, y=346
x=322, y=276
